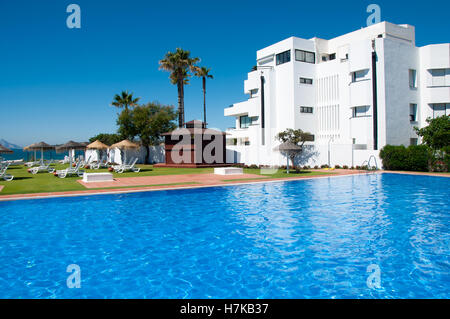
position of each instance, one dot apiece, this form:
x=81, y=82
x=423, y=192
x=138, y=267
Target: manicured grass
x=26, y=183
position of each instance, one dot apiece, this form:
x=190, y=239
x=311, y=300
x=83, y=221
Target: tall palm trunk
x=180, y=103
x=204, y=100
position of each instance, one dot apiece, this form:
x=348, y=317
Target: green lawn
x=26, y=183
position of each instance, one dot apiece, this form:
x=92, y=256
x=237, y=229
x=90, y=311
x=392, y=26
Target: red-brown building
x=195, y=146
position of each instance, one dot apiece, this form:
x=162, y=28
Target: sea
x=29, y=156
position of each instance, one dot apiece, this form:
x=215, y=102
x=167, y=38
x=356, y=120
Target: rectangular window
x=438, y=77
x=440, y=109
x=413, y=141
x=283, y=57
x=306, y=109
x=306, y=81
x=412, y=79
x=359, y=75
x=332, y=56
x=305, y=56
x=244, y=121
x=360, y=111
x=253, y=92
x=413, y=112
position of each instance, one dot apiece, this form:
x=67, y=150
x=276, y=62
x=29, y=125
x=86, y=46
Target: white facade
x=326, y=87
x=115, y=155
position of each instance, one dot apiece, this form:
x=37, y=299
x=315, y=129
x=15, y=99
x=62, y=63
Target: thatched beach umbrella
x=125, y=145
x=99, y=146
x=70, y=146
x=39, y=146
x=5, y=150
x=290, y=150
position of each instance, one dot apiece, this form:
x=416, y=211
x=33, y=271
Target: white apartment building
x=354, y=93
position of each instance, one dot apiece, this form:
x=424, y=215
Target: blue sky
x=57, y=84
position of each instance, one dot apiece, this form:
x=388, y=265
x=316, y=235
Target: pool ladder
x=368, y=163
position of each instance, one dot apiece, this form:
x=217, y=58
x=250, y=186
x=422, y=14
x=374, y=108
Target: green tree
x=179, y=64
x=125, y=100
x=296, y=137
x=293, y=141
x=437, y=134
x=106, y=138
x=204, y=73
x=127, y=128
x=151, y=121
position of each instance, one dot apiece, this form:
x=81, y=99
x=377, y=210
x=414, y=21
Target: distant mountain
x=9, y=145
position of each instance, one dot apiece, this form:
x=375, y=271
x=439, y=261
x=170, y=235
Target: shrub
x=253, y=166
x=345, y=167
x=446, y=159
x=417, y=158
x=337, y=166
x=316, y=167
x=393, y=157
x=412, y=158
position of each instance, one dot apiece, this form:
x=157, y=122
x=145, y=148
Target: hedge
x=411, y=158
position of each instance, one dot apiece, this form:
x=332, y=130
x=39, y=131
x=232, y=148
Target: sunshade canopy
x=5, y=150
x=125, y=144
x=39, y=146
x=97, y=145
x=288, y=147
x=71, y=145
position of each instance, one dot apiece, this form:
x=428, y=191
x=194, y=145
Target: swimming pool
x=299, y=239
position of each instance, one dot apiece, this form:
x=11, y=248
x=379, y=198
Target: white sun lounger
x=3, y=175
x=43, y=168
x=70, y=171
x=31, y=164
x=127, y=167
x=103, y=163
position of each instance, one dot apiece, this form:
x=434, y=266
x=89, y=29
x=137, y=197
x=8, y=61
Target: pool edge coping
x=148, y=189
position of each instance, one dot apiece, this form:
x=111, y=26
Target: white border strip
x=125, y=191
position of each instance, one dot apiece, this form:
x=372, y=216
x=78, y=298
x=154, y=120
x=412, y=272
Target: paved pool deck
x=169, y=182
x=186, y=181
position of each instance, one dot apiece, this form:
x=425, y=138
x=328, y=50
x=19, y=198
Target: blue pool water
x=302, y=239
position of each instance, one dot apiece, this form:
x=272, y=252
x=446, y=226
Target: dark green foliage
x=108, y=139
x=417, y=158
x=437, y=134
x=393, y=157
x=401, y=158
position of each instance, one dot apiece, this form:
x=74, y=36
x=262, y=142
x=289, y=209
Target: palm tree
x=203, y=72
x=125, y=100
x=179, y=64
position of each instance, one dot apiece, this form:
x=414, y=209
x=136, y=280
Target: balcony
x=252, y=82
x=361, y=93
x=250, y=107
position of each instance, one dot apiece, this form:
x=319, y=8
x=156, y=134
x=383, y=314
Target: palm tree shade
x=71, y=146
x=125, y=145
x=124, y=100
x=179, y=64
x=204, y=73
x=39, y=146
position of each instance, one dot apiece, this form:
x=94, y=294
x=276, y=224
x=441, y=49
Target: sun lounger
x=42, y=168
x=3, y=175
x=31, y=164
x=127, y=167
x=70, y=171
x=101, y=164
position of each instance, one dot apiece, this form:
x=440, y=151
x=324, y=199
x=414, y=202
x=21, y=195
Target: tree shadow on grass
x=21, y=178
